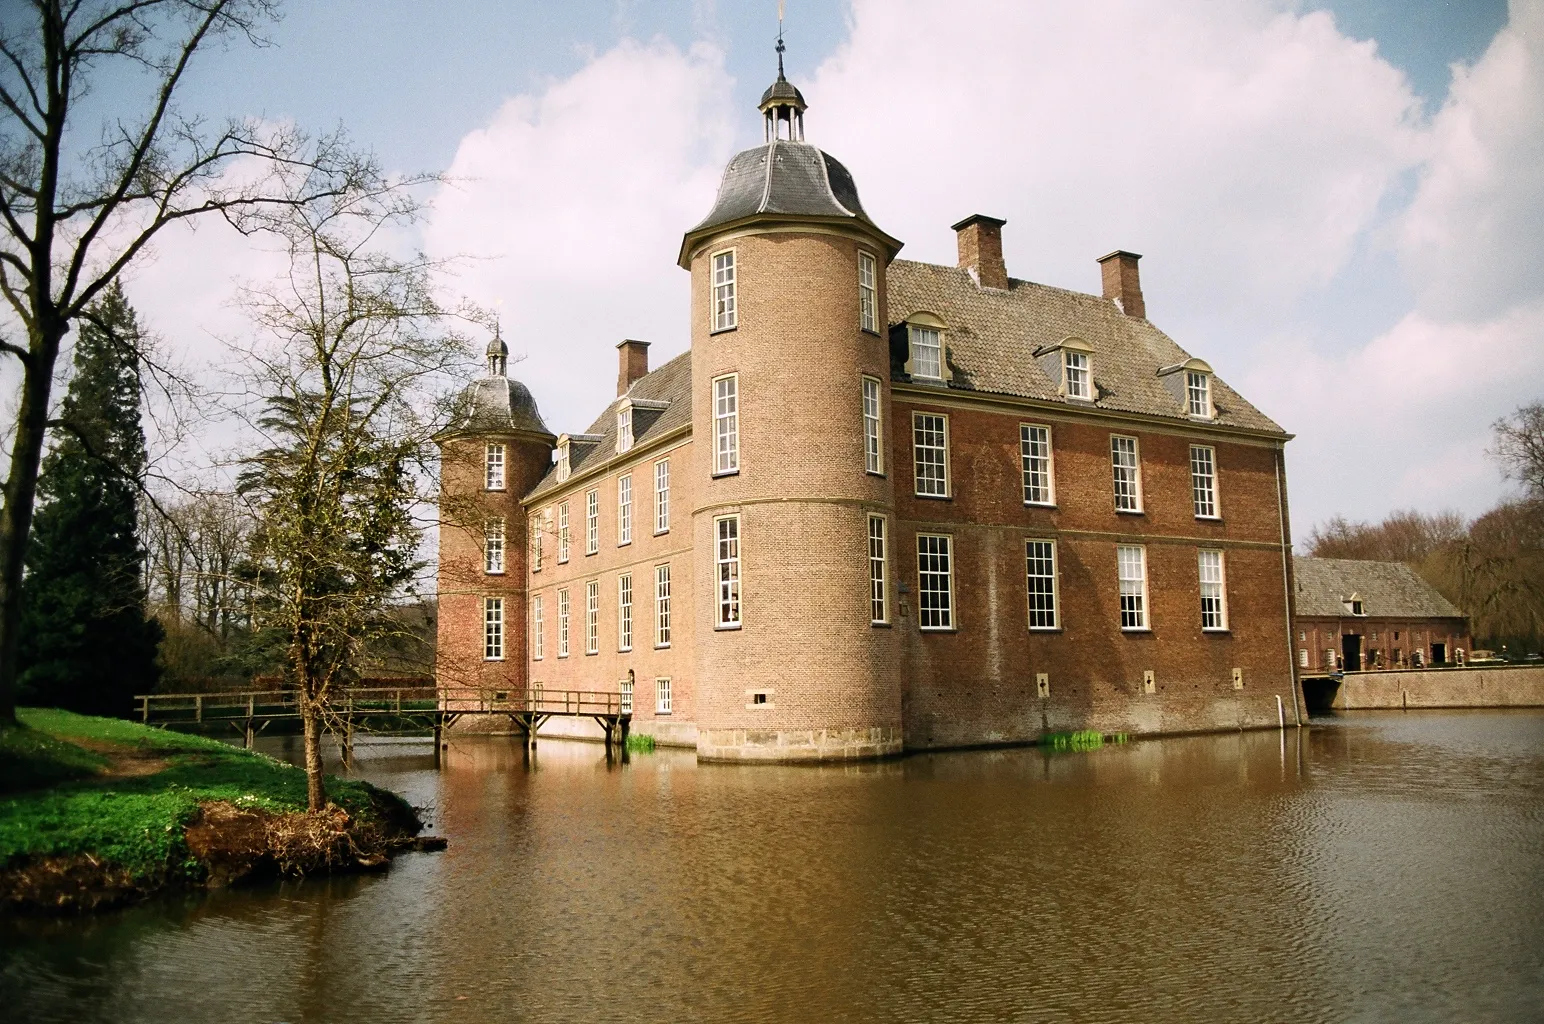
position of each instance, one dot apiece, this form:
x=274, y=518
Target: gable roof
x=993, y=334
x=1386, y=589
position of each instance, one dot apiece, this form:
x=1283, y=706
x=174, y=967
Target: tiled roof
x=495, y=404
x=993, y=333
x=1386, y=589
x=670, y=383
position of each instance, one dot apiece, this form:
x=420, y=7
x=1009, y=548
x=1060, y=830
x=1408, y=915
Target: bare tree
x=1519, y=447
x=74, y=212
x=1401, y=537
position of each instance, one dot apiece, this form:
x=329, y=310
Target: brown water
x=1378, y=867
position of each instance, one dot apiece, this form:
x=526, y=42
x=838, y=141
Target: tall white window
x=538, y=638
x=1075, y=372
x=728, y=563
x=563, y=623
x=662, y=496
x=1035, y=452
x=591, y=522
x=1302, y=658
x=1214, y=592
x=563, y=532
x=493, y=629
x=493, y=546
x=726, y=424
x=564, y=466
x=625, y=612
x=1126, y=467
x=662, y=606
x=624, y=429
x=627, y=697
x=1040, y=570
x=625, y=510
x=1198, y=393
x=935, y=582
x=662, y=696
x=1132, y=568
x=930, y=446
x=873, y=434
x=868, y=291
x=879, y=604
x=927, y=353
x=1203, y=480
x=592, y=617
x=493, y=465
x=724, y=316
x=535, y=524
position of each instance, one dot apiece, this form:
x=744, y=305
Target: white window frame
x=1302, y=657
x=591, y=617
x=723, y=310
x=538, y=629
x=1078, y=374
x=625, y=612
x=662, y=606
x=662, y=702
x=1131, y=573
x=624, y=429
x=493, y=547
x=564, y=465
x=1203, y=485
x=1198, y=394
x=563, y=622
x=625, y=697
x=918, y=343
x=918, y=447
x=868, y=291
x=563, y=535
x=726, y=424
x=661, y=497
x=873, y=427
x=1030, y=460
x=592, y=521
x=493, y=629
x=494, y=463
x=624, y=509
x=1213, y=590
x=1037, y=551
x=1118, y=453
x=879, y=572
x=534, y=525
x=729, y=597
x=930, y=548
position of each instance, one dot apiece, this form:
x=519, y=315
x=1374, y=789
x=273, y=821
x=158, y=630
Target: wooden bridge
x=390, y=709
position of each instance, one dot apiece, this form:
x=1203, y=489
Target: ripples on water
x=1378, y=867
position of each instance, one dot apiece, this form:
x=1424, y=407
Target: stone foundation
x=1512, y=686
x=807, y=745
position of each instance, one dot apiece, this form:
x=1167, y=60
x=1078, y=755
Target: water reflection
x=1376, y=867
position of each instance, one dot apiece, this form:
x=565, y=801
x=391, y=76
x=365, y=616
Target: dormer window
x=1190, y=382
x=926, y=357
x=563, y=464
x=624, y=428
x=1077, y=374
x=1198, y=393
x=1353, y=606
x=1069, y=364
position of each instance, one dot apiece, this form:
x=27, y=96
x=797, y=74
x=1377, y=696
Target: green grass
x=1083, y=739
x=640, y=743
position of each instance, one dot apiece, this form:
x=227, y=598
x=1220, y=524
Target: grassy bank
x=96, y=811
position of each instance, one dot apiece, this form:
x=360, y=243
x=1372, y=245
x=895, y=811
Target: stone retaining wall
x=1512, y=686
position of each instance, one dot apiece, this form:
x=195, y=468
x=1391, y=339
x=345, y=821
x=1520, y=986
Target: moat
x=1379, y=866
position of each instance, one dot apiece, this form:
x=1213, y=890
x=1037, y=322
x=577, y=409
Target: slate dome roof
x=497, y=405
x=784, y=90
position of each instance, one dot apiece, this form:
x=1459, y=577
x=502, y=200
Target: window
x=564, y=465
x=726, y=425
x=537, y=639
x=493, y=463
x=1203, y=480
x=591, y=522
x=627, y=697
x=493, y=629
x=625, y=612
x=592, y=617
x=1302, y=658
x=536, y=543
x=873, y=457
x=868, y=291
x=1075, y=372
x=563, y=623
x=1035, y=450
x=724, y=317
x=662, y=696
x=625, y=510
x=930, y=444
x=662, y=606
x=563, y=532
x=1132, y=563
x=1198, y=393
x=493, y=547
x=624, y=429
x=1214, y=597
x=879, y=611
x=935, y=582
x=1040, y=569
x=927, y=352
x=728, y=559
x=1127, y=469
x=662, y=496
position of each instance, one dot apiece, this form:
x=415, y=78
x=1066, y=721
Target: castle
x=878, y=506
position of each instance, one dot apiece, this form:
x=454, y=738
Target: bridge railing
x=260, y=705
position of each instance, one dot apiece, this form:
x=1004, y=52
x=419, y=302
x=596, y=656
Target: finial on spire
x=782, y=105
x=780, y=46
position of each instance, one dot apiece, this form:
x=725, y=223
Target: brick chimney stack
x=632, y=363
x=981, y=250
x=1122, y=282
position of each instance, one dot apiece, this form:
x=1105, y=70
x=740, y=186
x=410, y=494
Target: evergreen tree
x=87, y=643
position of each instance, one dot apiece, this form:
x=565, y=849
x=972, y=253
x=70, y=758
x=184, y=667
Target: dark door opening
x=1439, y=654
x=1351, y=652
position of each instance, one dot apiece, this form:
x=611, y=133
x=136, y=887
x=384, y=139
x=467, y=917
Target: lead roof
x=783, y=177
x=1386, y=590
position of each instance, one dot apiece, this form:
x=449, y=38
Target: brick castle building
x=1355, y=615
x=879, y=505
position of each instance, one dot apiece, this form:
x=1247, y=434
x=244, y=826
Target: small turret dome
x=496, y=404
x=782, y=92
x=498, y=356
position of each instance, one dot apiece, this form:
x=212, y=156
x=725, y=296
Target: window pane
x=878, y=595
x=1203, y=480
x=873, y=460
x=729, y=571
x=935, y=593
x=1132, y=569
x=662, y=496
x=868, y=293
x=625, y=612
x=1040, y=563
x=931, y=445
x=726, y=424
x=625, y=510
x=1214, y=613
x=493, y=628
x=592, y=617
x=563, y=623
x=592, y=522
x=494, y=463
x=1127, y=473
x=1035, y=450
x=1075, y=365
x=1198, y=393
x=724, y=316
x=563, y=532
x=493, y=547
x=662, y=605
x=926, y=353
x=662, y=696
x=537, y=630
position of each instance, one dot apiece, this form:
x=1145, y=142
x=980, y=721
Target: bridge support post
x=439, y=732
x=249, y=739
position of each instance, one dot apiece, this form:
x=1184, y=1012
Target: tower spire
x=782, y=106
x=780, y=46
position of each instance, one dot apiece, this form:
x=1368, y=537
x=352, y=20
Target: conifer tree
x=87, y=642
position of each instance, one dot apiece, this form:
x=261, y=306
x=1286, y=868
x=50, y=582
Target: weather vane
x=779, y=38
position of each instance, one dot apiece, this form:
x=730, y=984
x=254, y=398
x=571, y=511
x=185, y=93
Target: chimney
x=1122, y=282
x=981, y=250
x=632, y=363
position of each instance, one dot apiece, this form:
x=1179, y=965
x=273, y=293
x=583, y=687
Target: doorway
x=1439, y=654
x=1351, y=652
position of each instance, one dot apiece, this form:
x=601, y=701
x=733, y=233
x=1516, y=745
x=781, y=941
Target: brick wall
x=1387, y=643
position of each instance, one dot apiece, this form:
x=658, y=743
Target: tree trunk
x=316, y=792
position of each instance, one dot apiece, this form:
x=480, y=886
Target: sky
x=1340, y=204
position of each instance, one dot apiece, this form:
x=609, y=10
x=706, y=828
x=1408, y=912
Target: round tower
x=794, y=519
x=495, y=449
